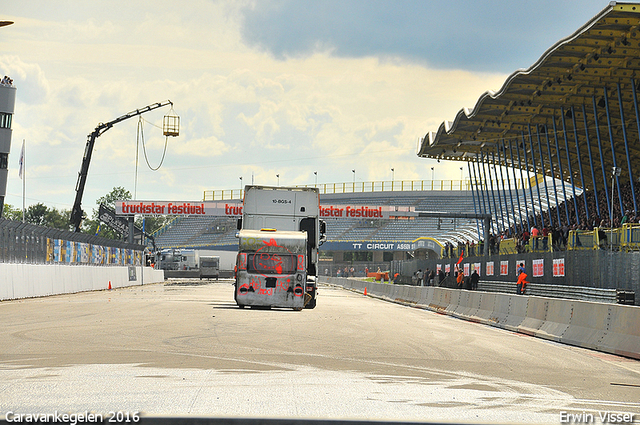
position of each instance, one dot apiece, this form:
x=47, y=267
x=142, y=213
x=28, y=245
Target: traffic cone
x=365, y=291
x=109, y=285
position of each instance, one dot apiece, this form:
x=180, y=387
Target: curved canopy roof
x=583, y=88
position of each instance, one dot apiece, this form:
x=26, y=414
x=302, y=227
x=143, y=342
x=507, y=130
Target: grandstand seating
x=220, y=231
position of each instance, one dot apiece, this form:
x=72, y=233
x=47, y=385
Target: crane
x=76, y=212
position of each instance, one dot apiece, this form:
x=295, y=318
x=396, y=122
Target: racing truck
x=279, y=235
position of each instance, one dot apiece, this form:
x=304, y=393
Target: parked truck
x=279, y=235
x=209, y=267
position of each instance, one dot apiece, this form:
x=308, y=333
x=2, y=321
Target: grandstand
x=219, y=232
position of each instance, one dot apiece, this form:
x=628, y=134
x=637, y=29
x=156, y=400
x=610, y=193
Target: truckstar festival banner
x=193, y=208
x=234, y=209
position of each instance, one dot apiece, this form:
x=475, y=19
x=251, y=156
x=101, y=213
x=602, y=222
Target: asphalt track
x=184, y=349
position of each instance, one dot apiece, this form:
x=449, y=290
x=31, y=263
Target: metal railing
x=367, y=187
x=626, y=238
x=28, y=243
x=554, y=291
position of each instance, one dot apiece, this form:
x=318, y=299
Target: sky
x=262, y=88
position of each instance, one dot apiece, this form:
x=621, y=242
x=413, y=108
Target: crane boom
x=76, y=212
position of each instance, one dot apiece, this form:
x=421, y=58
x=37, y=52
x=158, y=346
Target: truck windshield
x=268, y=263
x=209, y=263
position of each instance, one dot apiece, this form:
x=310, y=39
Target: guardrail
x=555, y=291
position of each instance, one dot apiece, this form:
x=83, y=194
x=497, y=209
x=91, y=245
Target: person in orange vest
x=522, y=282
x=459, y=278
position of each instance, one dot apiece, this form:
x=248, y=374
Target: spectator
x=475, y=278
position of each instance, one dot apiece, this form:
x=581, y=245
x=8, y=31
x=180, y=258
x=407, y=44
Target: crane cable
x=140, y=135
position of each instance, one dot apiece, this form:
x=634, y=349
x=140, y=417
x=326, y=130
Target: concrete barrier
x=427, y=296
x=441, y=299
x=623, y=334
x=500, y=310
x=475, y=304
x=535, y=316
x=435, y=299
x=609, y=328
x=454, y=302
x=557, y=321
x=517, y=312
x=467, y=305
x=403, y=293
x=39, y=280
x=589, y=324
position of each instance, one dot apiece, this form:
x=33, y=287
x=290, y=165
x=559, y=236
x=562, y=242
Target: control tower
x=7, y=104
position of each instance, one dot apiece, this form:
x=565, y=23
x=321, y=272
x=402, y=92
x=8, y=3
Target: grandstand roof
x=588, y=79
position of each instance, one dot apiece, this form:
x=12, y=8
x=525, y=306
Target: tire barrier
x=610, y=328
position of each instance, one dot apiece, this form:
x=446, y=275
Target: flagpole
x=24, y=181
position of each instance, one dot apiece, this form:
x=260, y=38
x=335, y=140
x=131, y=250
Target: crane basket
x=171, y=124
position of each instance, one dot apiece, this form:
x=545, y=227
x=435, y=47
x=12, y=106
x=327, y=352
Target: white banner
x=558, y=267
x=234, y=209
x=538, y=268
x=504, y=268
x=196, y=208
x=365, y=211
x=489, y=269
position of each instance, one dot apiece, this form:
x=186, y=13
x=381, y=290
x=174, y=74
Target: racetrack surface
x=184, y=348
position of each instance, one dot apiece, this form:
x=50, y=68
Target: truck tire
x=311, y=304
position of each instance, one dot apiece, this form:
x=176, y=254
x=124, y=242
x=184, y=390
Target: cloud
x=481, y=35
x=34, y=87
x=205, y=147
x=262, y=88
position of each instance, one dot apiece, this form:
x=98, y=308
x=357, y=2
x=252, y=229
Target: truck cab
x=271, y=269
x=288, y=209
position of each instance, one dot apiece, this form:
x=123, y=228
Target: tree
x=92, y=226
x=11, y=213
x=36, y=214
x=117, y=194
x=40, y=215
x=58, y=219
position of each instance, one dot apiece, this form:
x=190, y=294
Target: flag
x=461, y=256
x=21, y=161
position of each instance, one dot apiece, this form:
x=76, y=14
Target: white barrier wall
x=610, y=328
x=38, y=280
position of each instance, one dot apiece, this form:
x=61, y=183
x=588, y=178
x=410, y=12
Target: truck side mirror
x=323, y=231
